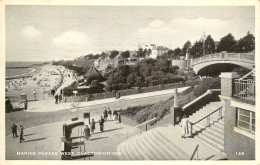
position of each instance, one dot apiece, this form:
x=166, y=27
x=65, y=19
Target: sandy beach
x=44, y=78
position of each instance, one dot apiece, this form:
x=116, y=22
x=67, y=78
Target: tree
x=103, y=55
x=177, y=53
x=96, y=56
x=113, y=54
x=246, y=44
x=186, y=46
x=197, y=49
x=227, y=43
x=209, y=45
x=149, y=52
x=125, y=54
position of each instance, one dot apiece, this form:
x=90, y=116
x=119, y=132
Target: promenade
x=50, y=106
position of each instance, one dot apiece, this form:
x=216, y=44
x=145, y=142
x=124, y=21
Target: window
x=246, y=120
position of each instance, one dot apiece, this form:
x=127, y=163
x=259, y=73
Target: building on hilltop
x=155, y=50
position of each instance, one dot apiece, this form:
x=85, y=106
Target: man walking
x=56, y=98
x=87, y=133
x=105, y=114
x=21, y=134
x=101, y=123
x=14, y=130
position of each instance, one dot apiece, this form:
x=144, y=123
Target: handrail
x=206, y=116
x=146, y=122
x=209, y=91
x=196, y=150
x=246, y=75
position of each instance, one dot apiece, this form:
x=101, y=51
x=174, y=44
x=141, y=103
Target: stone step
x=140, y=145
x=134, y=154
x=209, y=143
x=156, y=148
x=150, y=148
x=162, y=144
x=214, y=133
x=139, y=150
x=124, y=151
x=181, y=155
x=148, y=151
x=213, y=138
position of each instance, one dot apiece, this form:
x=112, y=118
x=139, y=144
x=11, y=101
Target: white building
x=155, y=50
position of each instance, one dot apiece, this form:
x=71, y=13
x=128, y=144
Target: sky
x=45, y=33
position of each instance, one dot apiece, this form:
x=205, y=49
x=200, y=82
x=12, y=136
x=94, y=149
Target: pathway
x=50, y=106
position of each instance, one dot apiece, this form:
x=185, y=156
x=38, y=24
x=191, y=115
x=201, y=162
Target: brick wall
x=236, y=142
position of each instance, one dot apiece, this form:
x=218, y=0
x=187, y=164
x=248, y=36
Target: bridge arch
x=241, y=59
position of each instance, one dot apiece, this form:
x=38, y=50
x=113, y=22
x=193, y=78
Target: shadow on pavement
x=109, y=130
x=32, y=140
x=98, y=138
x=77, y=137
x=29, y=134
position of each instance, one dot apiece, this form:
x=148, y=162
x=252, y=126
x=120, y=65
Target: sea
x=18, y=68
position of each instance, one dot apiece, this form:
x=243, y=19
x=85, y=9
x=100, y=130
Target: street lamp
x=203, y=38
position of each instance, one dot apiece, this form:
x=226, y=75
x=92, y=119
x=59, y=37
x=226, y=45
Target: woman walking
x=87, y=133
x=92, y=126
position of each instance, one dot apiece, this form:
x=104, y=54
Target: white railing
x=200, y=97
x=225, y=56
x=245, y=89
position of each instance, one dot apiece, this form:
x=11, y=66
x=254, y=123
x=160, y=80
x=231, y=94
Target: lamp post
x=203, y=38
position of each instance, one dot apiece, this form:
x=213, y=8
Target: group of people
x=110, y=116
x=92, y=128
x=107, y=116
x=15, y=128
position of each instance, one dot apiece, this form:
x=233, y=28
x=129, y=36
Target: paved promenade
x=50, y=106
x=43, y=142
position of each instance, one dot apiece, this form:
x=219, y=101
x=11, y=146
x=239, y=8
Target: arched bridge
x=246, y=60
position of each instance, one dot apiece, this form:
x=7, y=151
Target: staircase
x=213, y=134
x=165, y=142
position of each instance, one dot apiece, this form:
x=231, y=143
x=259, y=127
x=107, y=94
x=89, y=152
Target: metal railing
x=196, y=150
x=80, y=134
x=140, y=127
x=208, y=117
x=245, y=89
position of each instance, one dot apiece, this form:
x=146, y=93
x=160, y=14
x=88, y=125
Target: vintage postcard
x=128, y=81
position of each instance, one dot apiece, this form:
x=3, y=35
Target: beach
x=40, y=79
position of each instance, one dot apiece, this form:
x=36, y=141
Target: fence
x=98, y=96
x=245, y=89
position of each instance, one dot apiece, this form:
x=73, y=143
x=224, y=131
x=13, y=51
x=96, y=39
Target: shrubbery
x=205, y=84
x=148, y=72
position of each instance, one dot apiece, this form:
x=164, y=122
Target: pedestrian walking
x=60, y=98
x=115, y=116
x=101, y=123
x=34, y=95
x=21, y=134
x=25, y=104
x=105, y=114
x=92, y=126
x=56, y=98
x=110, y=114
x=185, y=127
x=14, y=130
x=87, y=133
